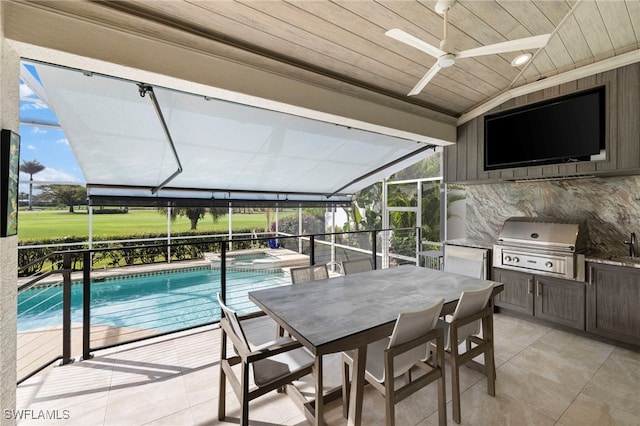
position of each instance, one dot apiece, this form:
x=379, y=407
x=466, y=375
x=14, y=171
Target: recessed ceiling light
x=521, y=60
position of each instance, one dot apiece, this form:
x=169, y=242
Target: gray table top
x=346, y=312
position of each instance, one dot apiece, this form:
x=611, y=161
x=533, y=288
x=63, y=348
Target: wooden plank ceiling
x=345, y=42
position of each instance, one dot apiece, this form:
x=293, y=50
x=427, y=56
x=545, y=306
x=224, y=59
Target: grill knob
x=548, y=264
x=507, y=258
x=516, y=260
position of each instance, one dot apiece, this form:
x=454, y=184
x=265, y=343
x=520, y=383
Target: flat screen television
x=566, y=129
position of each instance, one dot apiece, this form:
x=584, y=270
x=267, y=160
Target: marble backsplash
x=610, y=206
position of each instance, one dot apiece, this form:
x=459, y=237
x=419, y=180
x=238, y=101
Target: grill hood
x=545, y=233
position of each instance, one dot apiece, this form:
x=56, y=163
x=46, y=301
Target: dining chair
x=271, y=365
x=357, y=265
x=392, y=357
x=309, y=273
x=472, y=324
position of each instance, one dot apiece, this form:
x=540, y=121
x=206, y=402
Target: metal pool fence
x=77, y=310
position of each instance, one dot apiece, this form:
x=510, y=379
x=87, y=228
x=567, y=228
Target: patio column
x=9, y=119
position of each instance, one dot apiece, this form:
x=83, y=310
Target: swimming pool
x=162, y=301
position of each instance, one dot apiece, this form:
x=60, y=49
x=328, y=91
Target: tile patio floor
x=544, y=377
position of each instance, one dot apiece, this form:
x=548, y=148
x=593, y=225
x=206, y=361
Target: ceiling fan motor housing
x=447, y=60
x=443, y=5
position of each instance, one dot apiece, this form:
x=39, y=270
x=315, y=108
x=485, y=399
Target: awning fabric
x=229, y=152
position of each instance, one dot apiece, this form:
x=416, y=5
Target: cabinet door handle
x=530, y=286
x=591, y=271
x=539, y=287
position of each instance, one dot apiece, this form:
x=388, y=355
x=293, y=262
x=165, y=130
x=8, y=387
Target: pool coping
x=284, y=259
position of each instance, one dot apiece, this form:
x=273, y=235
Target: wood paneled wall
x=464, y=161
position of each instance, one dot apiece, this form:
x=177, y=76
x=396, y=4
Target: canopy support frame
x=384, y=166
x=143, y=90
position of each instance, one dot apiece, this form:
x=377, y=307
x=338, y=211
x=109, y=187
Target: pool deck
x=123, y=270
x=280, y=258
x=546, y=377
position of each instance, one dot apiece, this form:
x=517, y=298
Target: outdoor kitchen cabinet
x=552, y=299
x=613, y=302
x=560, y=301
x=517, y=295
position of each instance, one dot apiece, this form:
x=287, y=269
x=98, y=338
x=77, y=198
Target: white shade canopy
x=213, y=151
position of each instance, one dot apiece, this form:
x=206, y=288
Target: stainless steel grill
x=546, y=246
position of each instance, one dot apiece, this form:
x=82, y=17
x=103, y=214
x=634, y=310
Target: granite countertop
x=614, y=260
x=470, y=242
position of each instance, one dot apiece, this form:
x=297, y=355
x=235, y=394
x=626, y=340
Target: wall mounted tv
x=566, y=129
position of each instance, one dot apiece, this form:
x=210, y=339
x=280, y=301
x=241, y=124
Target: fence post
x=223, y=270
x=374, y=249
x=312, y=250
x=66, y=309
x=86, y=305
x=418, y=244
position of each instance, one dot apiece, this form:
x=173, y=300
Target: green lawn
x=35, y=225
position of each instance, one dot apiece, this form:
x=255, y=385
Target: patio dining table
x=348, y=312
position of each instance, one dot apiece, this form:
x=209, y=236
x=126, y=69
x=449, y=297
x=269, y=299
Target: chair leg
x=491, y=371
x=455, y=382
x=222, y=387
x=442, y=398
x=455, y=390
x=390, y=401
x=346, y=389
x=222, y=395
x=244, y=402
x=489, y=358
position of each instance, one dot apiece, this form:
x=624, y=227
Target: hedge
x=120, y=253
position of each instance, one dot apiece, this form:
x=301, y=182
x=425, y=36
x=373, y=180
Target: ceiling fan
x=446, y=54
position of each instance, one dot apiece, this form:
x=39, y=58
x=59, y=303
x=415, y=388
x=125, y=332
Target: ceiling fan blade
x=507, y=46
x=424, y=80
x=413, y=41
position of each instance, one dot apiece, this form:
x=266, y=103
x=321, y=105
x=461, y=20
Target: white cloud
x=50, y=175
x=38, y=130
x=25, y=90
x=33, y=106
x=63, y=141
x=31, y=147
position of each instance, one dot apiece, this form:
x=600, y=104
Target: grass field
x=36, y=225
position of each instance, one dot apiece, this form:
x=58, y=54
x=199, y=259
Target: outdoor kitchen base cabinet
x=560, y=301
x=613, y=302
x=552, y=299
x=517, y=295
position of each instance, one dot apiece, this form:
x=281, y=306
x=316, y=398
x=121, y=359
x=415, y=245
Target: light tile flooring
x=544, y=377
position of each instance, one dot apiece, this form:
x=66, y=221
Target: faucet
x=632, y=245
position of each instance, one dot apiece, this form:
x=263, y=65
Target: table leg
x=319, y=406
x=357, y=386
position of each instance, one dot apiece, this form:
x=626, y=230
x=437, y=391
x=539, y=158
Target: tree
x=194, y=214
x=31, y=168
x=370, y=200
x=67, y=195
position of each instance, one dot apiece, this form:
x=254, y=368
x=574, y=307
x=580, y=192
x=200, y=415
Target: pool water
x=163, y=302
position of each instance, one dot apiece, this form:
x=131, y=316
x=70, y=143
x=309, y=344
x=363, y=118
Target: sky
x=48, y=145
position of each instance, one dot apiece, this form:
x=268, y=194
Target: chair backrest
x=309, y=273
x=232, y=317
x=467, y=261
x=409, y=326
x=357, y=265
x=470, y=302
